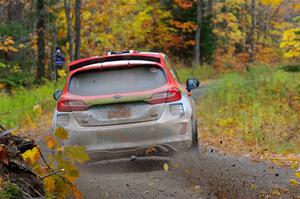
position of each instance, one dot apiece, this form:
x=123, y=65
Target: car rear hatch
x=118, y=95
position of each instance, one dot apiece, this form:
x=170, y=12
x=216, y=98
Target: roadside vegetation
x=22, y=102
x=252, y=111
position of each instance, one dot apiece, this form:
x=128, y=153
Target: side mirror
x=191, y=84
x=57, y=94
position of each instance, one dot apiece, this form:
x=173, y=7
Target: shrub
x=261, y=107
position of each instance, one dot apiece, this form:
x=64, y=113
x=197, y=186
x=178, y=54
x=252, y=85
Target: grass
x=259, y=108
x=203, y=72
x=14, y=107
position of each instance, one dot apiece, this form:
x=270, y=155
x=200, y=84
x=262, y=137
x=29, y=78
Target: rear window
x=114, y=81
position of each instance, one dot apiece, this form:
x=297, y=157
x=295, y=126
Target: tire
x=195, y=139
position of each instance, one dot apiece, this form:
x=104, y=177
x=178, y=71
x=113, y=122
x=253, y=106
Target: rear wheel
x=195, y=139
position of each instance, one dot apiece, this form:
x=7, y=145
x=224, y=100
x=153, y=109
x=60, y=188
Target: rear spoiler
x=98, y=60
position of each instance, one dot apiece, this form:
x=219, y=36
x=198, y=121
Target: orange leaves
x=185, y=26
x=184, y=4
x=49, y=184
x=77, y=194
x=50, y=142
x=3, y=155
x=7, y=45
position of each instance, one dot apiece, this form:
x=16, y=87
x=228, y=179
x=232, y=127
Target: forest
x=246, y=53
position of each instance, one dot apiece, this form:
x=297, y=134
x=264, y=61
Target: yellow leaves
x=29, y=122
x=62, y=73
x=294, y=165
x=227, y=27
x=166, y=167
x=86, y=15
x=32, y=156
x=7, y=45
x=37, y=109
x=8, y=41
x=294, y=182
x=185, y=26
x=61, y=133
x=276, y=192
x=297, y=174
x=290, y=42
x=271, y=2
x=226, y=122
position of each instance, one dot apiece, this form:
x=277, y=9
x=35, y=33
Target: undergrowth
x=21, y=102
x=203, y=72
x=260, y=108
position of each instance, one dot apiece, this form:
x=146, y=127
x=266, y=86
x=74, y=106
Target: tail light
x=65, y=105
x=171, y=95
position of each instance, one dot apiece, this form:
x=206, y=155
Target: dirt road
x=207, y=174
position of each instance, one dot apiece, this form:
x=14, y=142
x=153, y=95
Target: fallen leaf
x=253, y=186
x=29, y=121
x=166, y=167
x=297, y=174
x=294, y=165
x=37, y=109
x=198, y=189
x=294, y=182
x=276, y=192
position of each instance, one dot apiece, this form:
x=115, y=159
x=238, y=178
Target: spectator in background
x=59, y=60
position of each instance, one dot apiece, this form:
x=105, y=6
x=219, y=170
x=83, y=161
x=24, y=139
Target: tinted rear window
x=114, y=81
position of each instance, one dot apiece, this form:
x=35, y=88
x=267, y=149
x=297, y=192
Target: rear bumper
x=122, y=141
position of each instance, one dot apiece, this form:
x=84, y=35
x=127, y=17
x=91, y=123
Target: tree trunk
x=197, y=52
x=40, y=40
x=210, y=6
x=252, y=31
x=67, y=5
x=77, y=29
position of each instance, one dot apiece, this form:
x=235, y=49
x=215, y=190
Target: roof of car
x=120, y=58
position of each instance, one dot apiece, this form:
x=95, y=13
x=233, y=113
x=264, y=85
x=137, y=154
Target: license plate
x=119, y=112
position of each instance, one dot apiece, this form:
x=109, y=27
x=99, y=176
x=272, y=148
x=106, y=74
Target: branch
x=43, y=158
x=52, y=173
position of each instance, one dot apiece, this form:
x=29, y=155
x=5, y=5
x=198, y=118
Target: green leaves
x=61, y=133
x=76, y=153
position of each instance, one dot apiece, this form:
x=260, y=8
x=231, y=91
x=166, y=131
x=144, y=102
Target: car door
x=170, y=66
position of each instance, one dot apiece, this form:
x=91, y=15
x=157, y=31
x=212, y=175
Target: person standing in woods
x=59, y=60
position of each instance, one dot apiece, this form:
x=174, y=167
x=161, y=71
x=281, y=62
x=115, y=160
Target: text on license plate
x=119, y=112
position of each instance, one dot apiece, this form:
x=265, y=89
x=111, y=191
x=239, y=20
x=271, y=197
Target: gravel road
x=207, y=174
